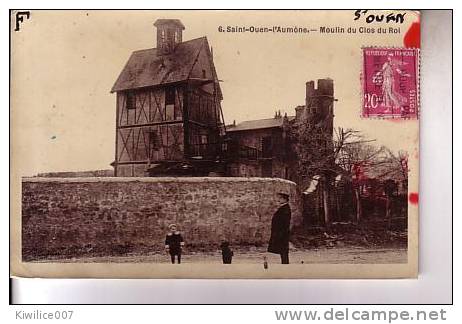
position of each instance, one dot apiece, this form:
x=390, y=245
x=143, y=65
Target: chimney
x=169, y=35
x=299, y=113
x=310, y=93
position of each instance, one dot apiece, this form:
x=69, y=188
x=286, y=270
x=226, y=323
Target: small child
x=173, y=243
x=226, y=253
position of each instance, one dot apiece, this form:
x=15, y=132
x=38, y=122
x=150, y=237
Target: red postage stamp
x=390, y=83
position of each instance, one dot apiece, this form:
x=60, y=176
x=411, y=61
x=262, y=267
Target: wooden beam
x=151, y=124
x=118, y=97
x=202, y=125
x=186, y=99
x=133, y=162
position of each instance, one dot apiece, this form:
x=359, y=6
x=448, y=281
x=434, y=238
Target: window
x=267, y=146
x=243, y=171
x=204, y=74
x=177, y=38
x=170, y=96
x=131, y=101
x=169, y=104
x=154, y=142
x=267, y=169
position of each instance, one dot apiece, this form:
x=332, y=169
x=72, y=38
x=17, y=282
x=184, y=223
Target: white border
x=433, y=285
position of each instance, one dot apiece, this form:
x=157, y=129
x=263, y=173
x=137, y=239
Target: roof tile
x=145, y=68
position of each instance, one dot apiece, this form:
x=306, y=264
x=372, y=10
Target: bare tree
x=394, y=170
x=357, y=157
x=396, y=166
x=318, y=154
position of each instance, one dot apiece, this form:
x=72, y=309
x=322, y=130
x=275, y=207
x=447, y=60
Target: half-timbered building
x=169, y=118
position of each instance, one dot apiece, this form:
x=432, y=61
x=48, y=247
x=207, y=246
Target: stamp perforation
x=389, y=98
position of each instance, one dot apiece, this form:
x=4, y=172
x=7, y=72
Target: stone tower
x=318, y=112
x=319, y=103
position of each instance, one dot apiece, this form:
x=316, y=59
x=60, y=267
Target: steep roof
x=257, y=124
x=146, y=68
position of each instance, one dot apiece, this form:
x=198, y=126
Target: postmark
x=390, y=83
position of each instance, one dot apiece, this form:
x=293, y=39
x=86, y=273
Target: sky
x=64, y=63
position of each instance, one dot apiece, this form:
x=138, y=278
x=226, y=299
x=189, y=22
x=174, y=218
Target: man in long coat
x=280, y=229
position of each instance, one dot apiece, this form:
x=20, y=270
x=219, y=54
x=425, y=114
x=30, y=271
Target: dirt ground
x=348, y=255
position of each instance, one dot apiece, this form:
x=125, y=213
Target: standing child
x=173, y=243
x=226, y=253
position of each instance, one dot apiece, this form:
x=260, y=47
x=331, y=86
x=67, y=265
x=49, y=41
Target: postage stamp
x=390, y=83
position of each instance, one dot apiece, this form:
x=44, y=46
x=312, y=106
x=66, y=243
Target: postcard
x=214, y=144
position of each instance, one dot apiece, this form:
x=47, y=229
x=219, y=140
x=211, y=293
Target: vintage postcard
x=214, y=144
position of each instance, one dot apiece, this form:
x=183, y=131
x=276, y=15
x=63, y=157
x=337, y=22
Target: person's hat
x=171, y=225
x=283, y=195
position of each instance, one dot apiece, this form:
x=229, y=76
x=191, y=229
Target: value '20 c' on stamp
x=390, y=83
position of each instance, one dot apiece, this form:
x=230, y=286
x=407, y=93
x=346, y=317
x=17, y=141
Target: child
x=173, y=243
x=226, y=253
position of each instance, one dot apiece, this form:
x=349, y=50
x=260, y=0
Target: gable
x=202, y=66
x=146, y=68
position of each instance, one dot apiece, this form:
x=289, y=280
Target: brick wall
x=115, y=216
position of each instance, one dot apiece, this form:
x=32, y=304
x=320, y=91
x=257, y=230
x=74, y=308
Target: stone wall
x=77, y=174
x=114, y=216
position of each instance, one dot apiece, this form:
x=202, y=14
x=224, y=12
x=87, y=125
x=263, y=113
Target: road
x=347, y=255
